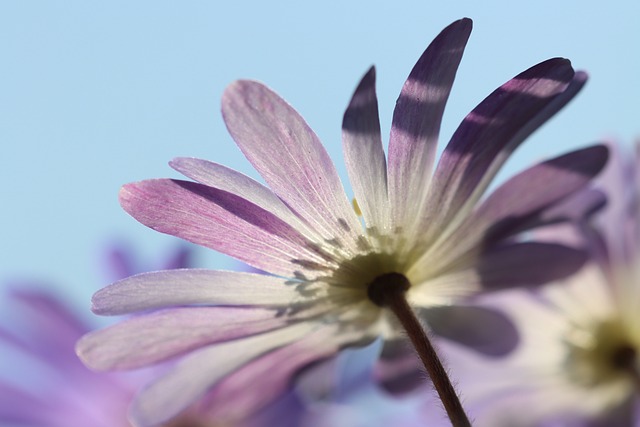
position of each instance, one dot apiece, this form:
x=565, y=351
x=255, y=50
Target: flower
x=578, y=363
x=42, y=382
x=234, y=329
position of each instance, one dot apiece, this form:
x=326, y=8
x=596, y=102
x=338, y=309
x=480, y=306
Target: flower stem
x=389, y=291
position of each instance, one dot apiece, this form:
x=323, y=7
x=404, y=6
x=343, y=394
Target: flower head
x=579, y=358
x=42, y=382
x=424, y=229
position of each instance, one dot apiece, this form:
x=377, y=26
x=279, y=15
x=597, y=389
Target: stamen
x=356, y=207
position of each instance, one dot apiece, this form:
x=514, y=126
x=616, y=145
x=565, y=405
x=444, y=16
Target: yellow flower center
x=603, y=354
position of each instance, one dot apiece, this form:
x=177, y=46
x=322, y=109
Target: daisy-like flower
x=579, y=359
x=336, y=278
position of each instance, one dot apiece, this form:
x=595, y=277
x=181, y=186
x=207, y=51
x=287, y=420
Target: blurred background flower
x=578, y=362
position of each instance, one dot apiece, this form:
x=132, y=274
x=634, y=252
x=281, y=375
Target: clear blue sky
x=97, y=94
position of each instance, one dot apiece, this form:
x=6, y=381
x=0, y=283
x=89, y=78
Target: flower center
x=385, y=285
x=605, y=354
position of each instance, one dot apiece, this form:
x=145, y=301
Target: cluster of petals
x=232, y=330
x=578, y=359
x=42, y=382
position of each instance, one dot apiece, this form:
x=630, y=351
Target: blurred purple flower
x=48, y=386
x=579, y=359
x=122, y=260
x=235, y=329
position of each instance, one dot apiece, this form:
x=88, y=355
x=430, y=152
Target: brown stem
x=389, y=291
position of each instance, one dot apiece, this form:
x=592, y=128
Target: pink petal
x=221, y=221
x=226, y=179
x=291, y=159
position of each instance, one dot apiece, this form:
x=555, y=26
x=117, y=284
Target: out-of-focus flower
x=579, y=359
x=122, y=260
x=42, y=381
x=62, y=392
x=427, y=229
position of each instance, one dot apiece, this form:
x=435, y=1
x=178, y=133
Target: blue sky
x=97, y=94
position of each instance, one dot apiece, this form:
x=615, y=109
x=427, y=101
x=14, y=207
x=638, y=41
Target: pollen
x=356, y=207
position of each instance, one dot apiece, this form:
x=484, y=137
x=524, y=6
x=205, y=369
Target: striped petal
x=168, y=288
x=157, y=336
x=201, y=370
x=417, y=118
x=490, y=133
x=364, y=155
x=221, y=221
x=541, y=186
x=528, y=199
x=226, y=179
x=291, y=159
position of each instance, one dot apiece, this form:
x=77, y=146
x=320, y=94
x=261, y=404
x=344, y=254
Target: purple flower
x=236, y=329
x=64, y=393
x=579, y=359
x=43, y=383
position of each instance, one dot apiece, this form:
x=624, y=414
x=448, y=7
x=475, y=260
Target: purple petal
x=218, y=220
x=482, y=329
x=157, y=336
x=489, y=134
x=527, y=200
x=181, y=258
x=417, y=118
x=398, y=370
x=225, y=179
x=201, y=370
x=290, y=158
x=196, y=287
x=50, y=330
x=237, y=395
x=527, y=264
x=19, y=407
x=364, y=155
x=525, y=195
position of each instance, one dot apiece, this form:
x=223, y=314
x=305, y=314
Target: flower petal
x=22, y=408
x=196, y=287
x=226, y=179
x=236, y=396
x=201, y=370
x=417, y=118
x=500, y=267
x=291, y=159
x=527, y=264
x=482, y=329
x=53, y=344
x=364, y=155
x=531, y=198
x=157, y=336
x=221, y=221
x=488, y=135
